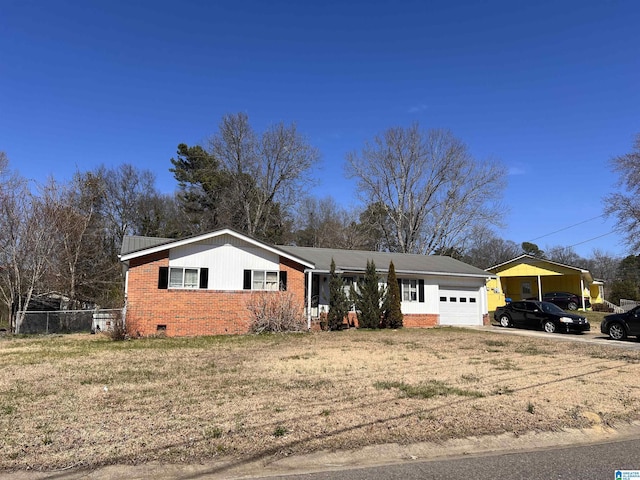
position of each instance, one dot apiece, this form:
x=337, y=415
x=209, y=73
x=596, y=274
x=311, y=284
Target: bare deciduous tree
x=268, y=172
x=603, y=265
x=125, y=187
x=485, y=249
x=323, y=223
x=70, y=224
x=83, y=267
x=625, y=205
x=565, y=256
x=26, y=244
x=432, y=189
x=160, y=215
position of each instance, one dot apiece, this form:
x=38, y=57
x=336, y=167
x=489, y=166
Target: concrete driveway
x=593, y=337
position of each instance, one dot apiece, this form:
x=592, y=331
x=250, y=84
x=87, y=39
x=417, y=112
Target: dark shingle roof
x=346, y=260
x=356, y=260
x=133, y=243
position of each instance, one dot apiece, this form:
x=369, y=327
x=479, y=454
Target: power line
x=594, y=238
x=571, y=226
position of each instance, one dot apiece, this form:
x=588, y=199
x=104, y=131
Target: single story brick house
x=201, y=285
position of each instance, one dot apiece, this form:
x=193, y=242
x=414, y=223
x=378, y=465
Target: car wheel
x=549, y=326
x=505, y=321
x=617, y=332
x=572, y=306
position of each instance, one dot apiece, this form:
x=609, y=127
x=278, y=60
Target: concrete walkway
x=593, y=337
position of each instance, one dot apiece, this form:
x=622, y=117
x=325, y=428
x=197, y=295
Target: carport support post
x=310, y=275
x=539, y=288
x=584, y=307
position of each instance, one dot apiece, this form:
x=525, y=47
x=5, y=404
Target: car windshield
x=550, y=308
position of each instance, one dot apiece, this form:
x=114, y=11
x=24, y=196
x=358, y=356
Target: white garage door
x=459, y=307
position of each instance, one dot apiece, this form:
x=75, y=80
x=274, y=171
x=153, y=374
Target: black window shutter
x=163, y=278
x=283, y=281
x=421, y=290
x=400, y=287
x=204, y=277
x=247, y=280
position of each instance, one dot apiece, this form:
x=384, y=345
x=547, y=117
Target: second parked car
x=566, y=300
x=545, y=315
x=620, y=325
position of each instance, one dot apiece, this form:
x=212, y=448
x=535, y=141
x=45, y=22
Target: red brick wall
x=415, y=320
x=409, y=320
x=295, y=278
x=191, y=312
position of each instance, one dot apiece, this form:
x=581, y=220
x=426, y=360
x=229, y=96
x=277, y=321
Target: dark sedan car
x=545, y=315
x=620, y=325
x=566, y=300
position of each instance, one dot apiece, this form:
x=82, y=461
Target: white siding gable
x=226, y=257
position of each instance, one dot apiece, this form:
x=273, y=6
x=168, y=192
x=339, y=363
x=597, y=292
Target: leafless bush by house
x=111, y=323
x=275, y=312
x=117, y=331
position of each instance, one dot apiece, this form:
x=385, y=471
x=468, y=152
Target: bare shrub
x=275, y=312
x=117, y=331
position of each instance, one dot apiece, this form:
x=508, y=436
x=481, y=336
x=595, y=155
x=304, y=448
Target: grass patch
x=311, y=384
x=304, y=356
x=530, y=349
x=7, y=409
x=430, y=389
x=212, y=432
x=496, y=343
x=280, y=431
x=504, y=364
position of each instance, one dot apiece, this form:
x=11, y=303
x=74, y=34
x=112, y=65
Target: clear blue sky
x=550, y=88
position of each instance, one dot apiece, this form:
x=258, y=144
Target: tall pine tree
x=392, y=317
x=368, y=298
x=338, y=302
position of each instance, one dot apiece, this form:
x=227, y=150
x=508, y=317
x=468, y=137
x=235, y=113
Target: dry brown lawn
x=84, y=401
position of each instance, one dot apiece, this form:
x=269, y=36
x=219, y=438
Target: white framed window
x=183, y=277
x=265, y=280
x=409, y=290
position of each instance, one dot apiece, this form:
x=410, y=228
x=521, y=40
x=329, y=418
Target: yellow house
x=526, y=277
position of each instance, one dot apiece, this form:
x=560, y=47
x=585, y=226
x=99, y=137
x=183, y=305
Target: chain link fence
x=68, y=321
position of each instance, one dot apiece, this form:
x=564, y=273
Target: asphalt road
x=591, y=462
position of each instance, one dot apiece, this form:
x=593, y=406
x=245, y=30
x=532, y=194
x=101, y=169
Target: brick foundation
x=425, y=320
x=420, y=320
